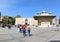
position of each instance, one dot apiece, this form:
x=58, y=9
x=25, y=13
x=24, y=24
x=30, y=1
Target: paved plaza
x=38, y=35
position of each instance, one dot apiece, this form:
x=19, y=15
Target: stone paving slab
x=38, y=35
x=5, y=37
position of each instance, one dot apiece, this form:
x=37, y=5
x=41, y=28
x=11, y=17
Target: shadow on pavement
x=54, y=41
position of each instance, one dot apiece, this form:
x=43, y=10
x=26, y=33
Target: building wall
x=54, y=21
x=1, y=18
x=31, y=21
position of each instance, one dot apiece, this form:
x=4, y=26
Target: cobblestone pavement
x=38, y=35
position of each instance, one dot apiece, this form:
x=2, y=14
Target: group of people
x=24, y=29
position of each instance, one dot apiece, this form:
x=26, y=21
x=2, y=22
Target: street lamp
x=59, y=20
x=0, y=18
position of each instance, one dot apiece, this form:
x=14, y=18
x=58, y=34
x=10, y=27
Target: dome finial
x=50, y=12
x=38, y=13
x=43, y=11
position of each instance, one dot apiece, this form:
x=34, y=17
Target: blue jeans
x=29, y=33
x=24, y=32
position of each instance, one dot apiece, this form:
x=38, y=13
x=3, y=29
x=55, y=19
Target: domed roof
x=44, y=13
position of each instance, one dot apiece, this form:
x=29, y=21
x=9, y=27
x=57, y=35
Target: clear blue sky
x=29, y=8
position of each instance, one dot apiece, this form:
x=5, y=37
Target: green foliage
x=8, y=20
x=5, y=20
x=17, y=16
x=11, y=20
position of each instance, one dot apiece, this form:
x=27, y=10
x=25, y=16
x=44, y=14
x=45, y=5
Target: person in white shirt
x=28, y=30
x=18, y=28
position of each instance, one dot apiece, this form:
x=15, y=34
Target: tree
x=17, y=16
x=5, y=20
x=13, y=21
x=10, y=19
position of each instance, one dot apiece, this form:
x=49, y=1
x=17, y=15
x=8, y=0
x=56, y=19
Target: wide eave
x=37, y=17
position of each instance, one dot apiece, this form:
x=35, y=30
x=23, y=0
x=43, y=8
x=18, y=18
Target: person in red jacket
x=24, y=29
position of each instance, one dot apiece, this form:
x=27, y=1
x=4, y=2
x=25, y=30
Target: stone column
x=39, y=22
x=50, y=21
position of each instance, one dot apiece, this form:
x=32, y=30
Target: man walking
x=24, y=30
